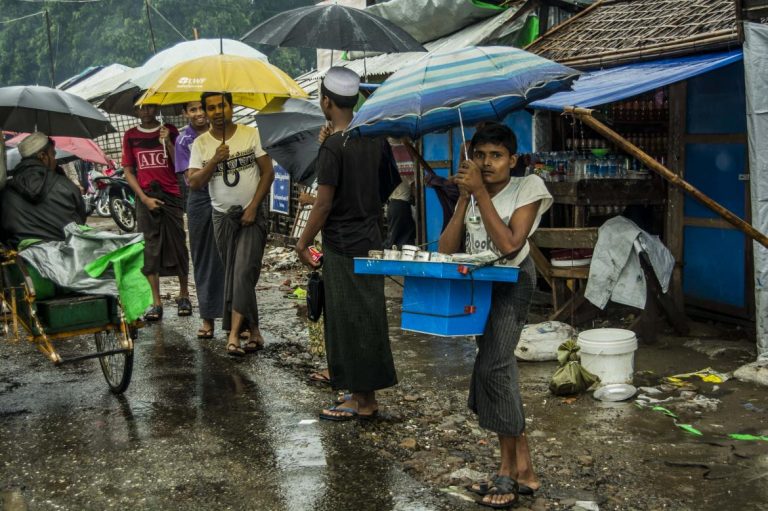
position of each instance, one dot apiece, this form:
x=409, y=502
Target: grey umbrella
x=14, y=158
x=288, y=130
x=33, y=108
x=332, y=27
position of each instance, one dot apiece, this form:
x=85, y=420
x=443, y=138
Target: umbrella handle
x=162, y=143
x=473, y=218
x=3, y=162
x=225, y=175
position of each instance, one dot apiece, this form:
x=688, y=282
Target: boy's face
x=147, y=113
x=194, y=112
x=494, y=162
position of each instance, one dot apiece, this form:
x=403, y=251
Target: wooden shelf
x=608, y=192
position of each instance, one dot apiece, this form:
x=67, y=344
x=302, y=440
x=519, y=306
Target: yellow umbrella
x=253, y=83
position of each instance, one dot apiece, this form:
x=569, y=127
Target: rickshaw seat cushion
x=44, y=288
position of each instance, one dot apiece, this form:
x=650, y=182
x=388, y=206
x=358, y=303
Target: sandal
x=482, y=487
x=349, y=414
x=155, y=313
x=233, y=350
x=253, y=346
x=319, y=377
x=184, y=306
x=502, y=485
x=205, y=333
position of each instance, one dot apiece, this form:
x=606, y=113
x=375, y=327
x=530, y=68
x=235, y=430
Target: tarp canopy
x=756, y=74
x=617, y=83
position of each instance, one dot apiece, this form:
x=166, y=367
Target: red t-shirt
x=143, y=151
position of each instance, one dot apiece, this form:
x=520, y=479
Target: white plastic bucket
x=609, y=353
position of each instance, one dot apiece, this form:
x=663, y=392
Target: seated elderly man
x=39, y=200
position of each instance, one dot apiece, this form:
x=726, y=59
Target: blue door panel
x=436, y=148
x=714, y=169
x=715, y=265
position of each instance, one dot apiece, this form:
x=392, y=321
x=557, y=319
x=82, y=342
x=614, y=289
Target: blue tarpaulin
x=617, y=83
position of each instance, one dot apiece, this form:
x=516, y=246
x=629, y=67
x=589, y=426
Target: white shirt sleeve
x=533, y=189
x=257, y=149
x=195, y=155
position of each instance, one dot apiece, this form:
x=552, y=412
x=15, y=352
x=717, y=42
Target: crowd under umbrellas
x=442, y=90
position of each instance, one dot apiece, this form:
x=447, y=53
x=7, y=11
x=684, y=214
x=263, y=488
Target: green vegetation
x=101, y=32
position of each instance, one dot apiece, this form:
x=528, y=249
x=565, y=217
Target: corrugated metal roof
x=381, y=66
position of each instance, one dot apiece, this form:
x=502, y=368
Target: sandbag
x=539, y=341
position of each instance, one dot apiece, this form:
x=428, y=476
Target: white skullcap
x=33, y=144
x=342, y=81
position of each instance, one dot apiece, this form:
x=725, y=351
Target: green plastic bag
x=570, y=378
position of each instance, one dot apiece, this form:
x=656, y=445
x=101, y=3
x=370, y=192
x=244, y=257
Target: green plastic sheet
x=132, y=285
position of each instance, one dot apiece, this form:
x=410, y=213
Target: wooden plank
x=674, y=214
x=715, y=138
x=711, y=223
x=440, y=164
x=578, y=272
x=584, y=237
x=607, y=192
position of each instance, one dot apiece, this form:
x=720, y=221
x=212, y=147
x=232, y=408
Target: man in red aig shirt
x=148, y=164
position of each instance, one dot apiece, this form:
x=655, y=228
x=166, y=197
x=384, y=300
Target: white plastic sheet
x=756, y=72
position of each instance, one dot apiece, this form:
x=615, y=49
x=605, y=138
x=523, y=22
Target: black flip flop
x=524, y=489
x=502, y=485
x=236, y=352
x=155, y=313
x=184, y=306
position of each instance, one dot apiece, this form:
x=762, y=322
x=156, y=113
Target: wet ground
x=200, y=430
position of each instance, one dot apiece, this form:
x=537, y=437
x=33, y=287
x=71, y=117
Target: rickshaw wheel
x=117, y=368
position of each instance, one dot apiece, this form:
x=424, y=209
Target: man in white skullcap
x=39, y=200
x=354, y=175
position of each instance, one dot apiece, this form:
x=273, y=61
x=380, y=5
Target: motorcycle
x=100, y=199
x=122, y=203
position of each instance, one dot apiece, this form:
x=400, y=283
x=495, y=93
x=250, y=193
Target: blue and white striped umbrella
x=472, y=84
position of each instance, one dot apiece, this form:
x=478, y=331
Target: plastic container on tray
x=442, y=298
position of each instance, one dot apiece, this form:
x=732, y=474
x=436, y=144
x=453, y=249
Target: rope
x=22, y=17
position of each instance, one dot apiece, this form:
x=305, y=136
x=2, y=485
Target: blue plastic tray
x=434, y=270
x=438, y=299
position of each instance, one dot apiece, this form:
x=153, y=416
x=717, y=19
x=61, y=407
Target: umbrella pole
x=472, y=214
x=162, y=143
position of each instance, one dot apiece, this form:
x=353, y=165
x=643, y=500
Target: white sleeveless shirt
x=519, y=192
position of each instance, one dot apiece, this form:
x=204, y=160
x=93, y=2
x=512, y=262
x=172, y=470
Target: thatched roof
x=616, y=31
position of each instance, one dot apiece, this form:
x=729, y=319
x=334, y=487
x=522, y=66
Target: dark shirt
x=355, y=168
x=38, y=203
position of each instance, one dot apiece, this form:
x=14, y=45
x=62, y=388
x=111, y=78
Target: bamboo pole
x=715, y=38
x=585, y=115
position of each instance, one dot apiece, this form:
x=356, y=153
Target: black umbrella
x=333, y=27
x=288, y=130
x=54, y=112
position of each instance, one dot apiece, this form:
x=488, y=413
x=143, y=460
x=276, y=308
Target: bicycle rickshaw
x=37, y=309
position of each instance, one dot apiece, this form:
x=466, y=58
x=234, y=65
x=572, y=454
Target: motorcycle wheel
x=103, y=206
x=123, y=213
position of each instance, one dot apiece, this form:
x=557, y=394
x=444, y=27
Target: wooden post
x=585, y=115
x=674, y=228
